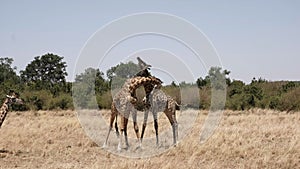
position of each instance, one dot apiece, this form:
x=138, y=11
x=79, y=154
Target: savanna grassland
x=244, y=139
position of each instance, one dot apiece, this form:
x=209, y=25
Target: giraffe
x=124, y=102
x=159, y=101
x=10, y=99
x=144, y=68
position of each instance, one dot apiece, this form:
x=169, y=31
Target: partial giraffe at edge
x=10, y=99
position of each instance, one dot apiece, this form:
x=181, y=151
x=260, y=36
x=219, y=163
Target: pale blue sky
x=253, y=38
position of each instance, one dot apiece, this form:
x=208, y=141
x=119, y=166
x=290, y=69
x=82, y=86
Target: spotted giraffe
x=124, y=102
x=159, y=101
x=10, y=99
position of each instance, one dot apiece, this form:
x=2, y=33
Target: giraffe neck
x=147, y=82
x=3, y=112
x=128, y=90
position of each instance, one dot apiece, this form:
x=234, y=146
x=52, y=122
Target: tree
x=123, y=70
x=201, y=82
x=227, y=79
x=253, y=94
x=236, y=87
x=118, y=74
x=260, y=80
x=95, y=76
x=243, y=96
x=173, y=84
x=45, y=72
x=7, y=71
x=87, y=85
x=8, y=77
x=217, y=78
x=289, y=86
x=235, y=96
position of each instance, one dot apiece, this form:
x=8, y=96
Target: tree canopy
x=46, y=71
x=123, y=70
x=8, y=73
x=49, y=69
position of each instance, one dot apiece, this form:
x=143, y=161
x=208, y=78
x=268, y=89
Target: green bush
x=63, y=101
x=37, y=100
x=290, y=100
x=274, y=102
x=205, y=97
x=104, y=100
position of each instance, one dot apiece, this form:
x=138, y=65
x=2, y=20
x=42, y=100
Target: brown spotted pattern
x=161, y=102
x=124, y=102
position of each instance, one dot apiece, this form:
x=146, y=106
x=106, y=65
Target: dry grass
x=254, y=139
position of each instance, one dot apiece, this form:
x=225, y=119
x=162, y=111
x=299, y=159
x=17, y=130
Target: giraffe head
x=13, y=98
x=144, y=67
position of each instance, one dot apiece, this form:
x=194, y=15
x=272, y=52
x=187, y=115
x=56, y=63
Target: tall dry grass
x=252, y=139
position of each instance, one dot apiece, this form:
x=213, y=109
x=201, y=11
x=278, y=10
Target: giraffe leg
x=116, y=126
x=120, y=142
x=112, y=118
x=172, y=118
x=124, y=122
x=135, y=125
x=121, y=134
x=155, y=125
x=144, y=126
x=105, y=143
x=175, y=132
x=125, y=133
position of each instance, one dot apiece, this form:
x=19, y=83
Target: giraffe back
x=158, y=100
